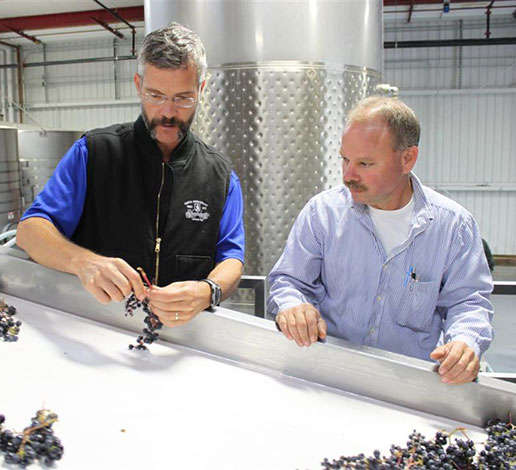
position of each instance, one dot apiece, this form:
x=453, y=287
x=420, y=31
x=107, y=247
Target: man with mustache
x=383, y=260
x=146, y=194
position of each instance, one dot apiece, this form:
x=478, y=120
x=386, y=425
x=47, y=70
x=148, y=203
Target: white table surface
x=180, y=408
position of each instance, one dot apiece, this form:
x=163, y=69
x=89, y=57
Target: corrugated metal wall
x=465, y=98
x=81, y=96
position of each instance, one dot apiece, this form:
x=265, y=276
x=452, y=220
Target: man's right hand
x=302, y=323
x=108, y=279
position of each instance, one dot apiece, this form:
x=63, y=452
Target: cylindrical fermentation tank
x=10, y=192
x=282, y=75
x=39, y=153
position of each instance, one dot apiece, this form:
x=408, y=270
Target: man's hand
x=108, y=279
x=302, y=323
x=179, y=302
x=459, y=363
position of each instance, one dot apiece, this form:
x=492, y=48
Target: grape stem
x=29, y=431
x=144, y=277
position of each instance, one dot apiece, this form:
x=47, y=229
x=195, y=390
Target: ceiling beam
x=67, y=20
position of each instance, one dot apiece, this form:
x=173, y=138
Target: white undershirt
x=392, y=227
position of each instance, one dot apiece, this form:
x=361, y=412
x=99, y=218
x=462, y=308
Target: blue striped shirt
x=334, y=260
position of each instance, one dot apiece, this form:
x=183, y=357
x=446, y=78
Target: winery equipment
x=10, y=179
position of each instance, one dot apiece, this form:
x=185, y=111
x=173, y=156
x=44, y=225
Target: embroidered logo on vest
x=196, y=210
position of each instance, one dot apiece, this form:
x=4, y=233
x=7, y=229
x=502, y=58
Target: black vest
x=124, y=176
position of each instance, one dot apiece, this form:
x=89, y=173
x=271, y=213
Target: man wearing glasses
x=146, y=194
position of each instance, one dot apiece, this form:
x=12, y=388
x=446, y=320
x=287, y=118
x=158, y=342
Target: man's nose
x=348, y=172
x=168, y=109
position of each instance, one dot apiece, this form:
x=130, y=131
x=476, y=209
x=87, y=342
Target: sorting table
x=224, y=391
x=174, y=407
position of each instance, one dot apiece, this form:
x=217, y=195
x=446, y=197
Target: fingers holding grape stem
x=151, y=321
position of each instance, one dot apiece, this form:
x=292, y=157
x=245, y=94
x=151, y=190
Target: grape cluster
x=500, y=448
x=441, y=453
x=152, y=322
x=36, y=442
x=9, y=327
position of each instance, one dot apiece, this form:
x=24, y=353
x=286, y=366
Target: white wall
x=81, y=96
x=465, y=99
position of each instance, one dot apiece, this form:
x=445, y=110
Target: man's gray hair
x=173, y=47
x=401, y=120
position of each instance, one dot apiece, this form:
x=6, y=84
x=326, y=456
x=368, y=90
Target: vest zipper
x=158, y=238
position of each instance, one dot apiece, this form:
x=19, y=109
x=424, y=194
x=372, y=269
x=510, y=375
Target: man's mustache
x=354, y=185
x=164, y=121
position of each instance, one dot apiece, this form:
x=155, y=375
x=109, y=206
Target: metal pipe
x=393, y=3
x=115, y=71
x=455, y=10
x=20, y=82
x=108, y=28
x=73, y=61
x=116, y=15
x=459, y=66
x=34, y=39
x=448, y=43
x=69, y=19
x=488, y=19
x=84, y=104
x=469, y=25
x=3, y=87
x=45, y=87
x=3, y=43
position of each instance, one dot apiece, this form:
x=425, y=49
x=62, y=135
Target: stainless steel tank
x=282, y=75
x=39, y=153
x=10, y=192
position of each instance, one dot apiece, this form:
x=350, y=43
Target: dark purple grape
x=151, y=321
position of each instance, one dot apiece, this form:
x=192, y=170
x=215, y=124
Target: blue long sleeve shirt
x=62, y=201
x=437, y=281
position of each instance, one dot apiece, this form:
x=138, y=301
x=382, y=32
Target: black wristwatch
x=216, y=292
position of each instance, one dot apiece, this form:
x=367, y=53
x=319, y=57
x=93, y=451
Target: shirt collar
x=422, y=208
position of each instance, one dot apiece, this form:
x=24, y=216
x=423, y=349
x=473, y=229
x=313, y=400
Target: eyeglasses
x=159, y=99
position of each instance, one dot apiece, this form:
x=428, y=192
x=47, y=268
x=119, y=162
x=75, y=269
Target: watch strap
x=216, y=292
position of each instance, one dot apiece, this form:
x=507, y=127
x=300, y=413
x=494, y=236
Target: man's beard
x=182, y=126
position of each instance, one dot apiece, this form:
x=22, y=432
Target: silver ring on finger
x=177, y=316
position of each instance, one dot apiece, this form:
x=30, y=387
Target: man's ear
x=137, y=82
x=409, y=158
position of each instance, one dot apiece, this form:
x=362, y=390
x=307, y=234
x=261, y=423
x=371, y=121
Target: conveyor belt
x=177, y=408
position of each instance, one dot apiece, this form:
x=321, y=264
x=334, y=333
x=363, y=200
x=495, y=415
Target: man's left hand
x=459, y=363
x=179, y=302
